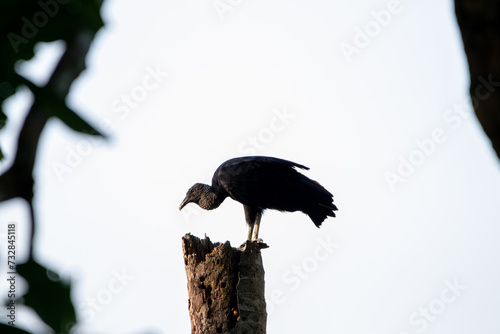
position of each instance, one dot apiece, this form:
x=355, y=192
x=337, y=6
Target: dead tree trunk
x=479, y=23
x=225, y=287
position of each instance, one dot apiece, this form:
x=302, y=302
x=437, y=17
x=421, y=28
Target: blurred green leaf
x=7, y=329
x=53, y=105
x=72, y=119
x=49, y=297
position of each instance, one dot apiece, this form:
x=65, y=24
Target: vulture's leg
x=250, y=230
x=250, y=218
x=256, y=227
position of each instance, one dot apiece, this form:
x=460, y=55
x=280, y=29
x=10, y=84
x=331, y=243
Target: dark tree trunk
x=479, y=22
x=225, y=286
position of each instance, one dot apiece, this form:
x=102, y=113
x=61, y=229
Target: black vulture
x=261, y=183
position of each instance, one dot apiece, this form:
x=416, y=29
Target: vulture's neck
x=209, y=199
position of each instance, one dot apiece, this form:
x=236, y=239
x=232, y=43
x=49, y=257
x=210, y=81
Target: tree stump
x=225, y=286
x=479, y=25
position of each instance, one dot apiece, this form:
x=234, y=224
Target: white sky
x=181, y=87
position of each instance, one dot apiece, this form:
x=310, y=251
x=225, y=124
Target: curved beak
x=184, y=203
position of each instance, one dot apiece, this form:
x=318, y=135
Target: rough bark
x=225, y=286
x=479, y=22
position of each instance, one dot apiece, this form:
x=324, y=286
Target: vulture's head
x=200, y=194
